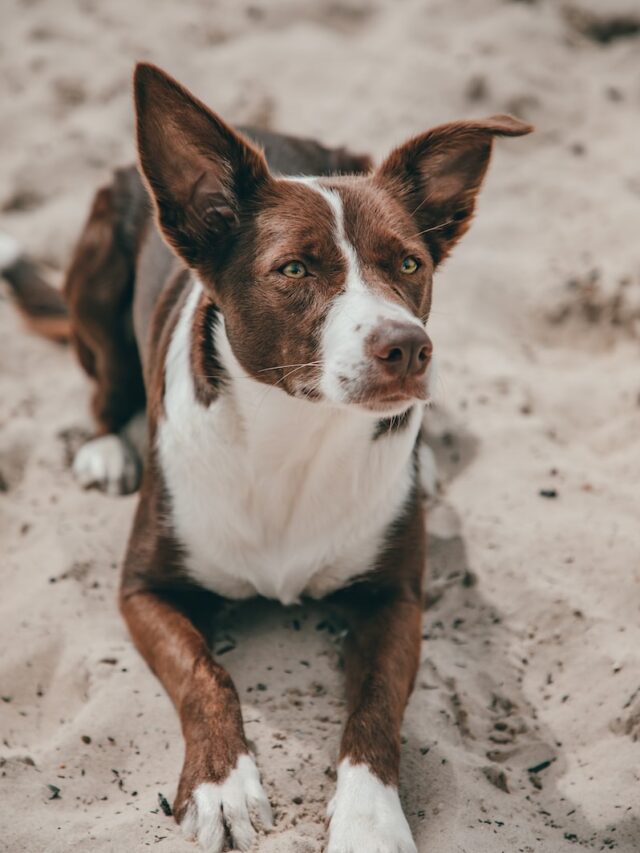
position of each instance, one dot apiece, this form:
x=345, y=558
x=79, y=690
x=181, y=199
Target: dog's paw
x=107, y=463
x=229, y=811
x=366, y=816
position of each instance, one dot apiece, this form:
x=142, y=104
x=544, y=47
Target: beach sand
x=522, y=734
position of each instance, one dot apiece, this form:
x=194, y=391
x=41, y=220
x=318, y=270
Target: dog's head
x=324, y=283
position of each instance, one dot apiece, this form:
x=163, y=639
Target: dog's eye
x=294, y=269
x=409, y=265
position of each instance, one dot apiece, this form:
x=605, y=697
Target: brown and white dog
x=279, y=349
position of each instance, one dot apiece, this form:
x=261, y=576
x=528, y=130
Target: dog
x=262, y=301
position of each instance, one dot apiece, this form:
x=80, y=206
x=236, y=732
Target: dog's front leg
x=382, y=653
x=220, y=793
x=381, y=659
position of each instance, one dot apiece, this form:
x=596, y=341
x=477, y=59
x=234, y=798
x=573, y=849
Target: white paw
x=107, y=463
x=366, y=816
x=235, y=806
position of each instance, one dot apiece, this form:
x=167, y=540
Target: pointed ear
x=200, y=172
x=437, y=176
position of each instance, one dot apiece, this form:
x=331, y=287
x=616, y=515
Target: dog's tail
x=42, y=305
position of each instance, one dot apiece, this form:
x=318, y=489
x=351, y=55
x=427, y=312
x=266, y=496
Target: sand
x=522, y=734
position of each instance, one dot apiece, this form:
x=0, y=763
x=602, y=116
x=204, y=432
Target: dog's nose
x=401, y=349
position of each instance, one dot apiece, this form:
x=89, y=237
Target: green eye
x=409, y=265
x=294, y=269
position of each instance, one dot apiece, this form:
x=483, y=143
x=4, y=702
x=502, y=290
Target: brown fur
x=208, y=373
x=99, y=291
x=382, y=649
x=41, y=305
x=162, y=324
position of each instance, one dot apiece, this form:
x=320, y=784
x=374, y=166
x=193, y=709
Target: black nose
x=401, y=349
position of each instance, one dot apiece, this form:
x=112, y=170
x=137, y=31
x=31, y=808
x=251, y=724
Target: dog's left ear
x=437, y=176
x=201, y=173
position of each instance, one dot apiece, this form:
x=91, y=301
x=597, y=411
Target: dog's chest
x=279, y=519
x=274, y=496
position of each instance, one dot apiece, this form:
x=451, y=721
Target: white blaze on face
x=354, y=314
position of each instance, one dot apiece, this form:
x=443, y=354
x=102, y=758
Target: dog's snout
x=401, y=349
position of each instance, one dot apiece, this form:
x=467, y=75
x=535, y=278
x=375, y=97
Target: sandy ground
x=531, y=655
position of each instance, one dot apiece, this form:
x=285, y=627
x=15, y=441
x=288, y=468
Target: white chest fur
x=271, y=495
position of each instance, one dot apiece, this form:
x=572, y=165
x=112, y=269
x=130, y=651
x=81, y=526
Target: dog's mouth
x=382, y=401
x=380, y=396
x=391, y=397
x=391, y=404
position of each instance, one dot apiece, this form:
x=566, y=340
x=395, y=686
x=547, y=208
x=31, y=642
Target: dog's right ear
x=200, y=171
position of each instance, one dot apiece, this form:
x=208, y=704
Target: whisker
x=295, y=370
x=279, y=382
x=435, y=312
x=235, y=377
x=434, y=228
x=440, y=391
x=305, y=394
x=419, y=206
x=280, y=366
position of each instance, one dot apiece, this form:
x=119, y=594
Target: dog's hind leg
x=99, y=293
x=112, y=462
